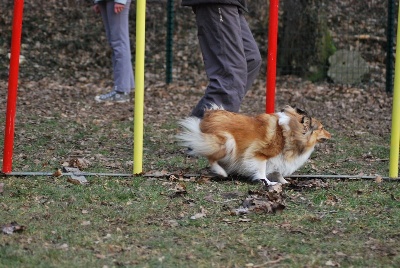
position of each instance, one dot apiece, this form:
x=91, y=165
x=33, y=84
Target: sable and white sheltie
x=265, y=147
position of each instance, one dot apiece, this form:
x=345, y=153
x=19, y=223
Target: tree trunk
x=304, y=44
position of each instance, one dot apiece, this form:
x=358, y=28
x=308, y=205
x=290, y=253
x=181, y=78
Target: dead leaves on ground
x=200, y=214
x=270, y=200
x=178, y=189
x=299, y=185
x=74, y=167
x=11, y=228
x=264, y=200
x=80, y=163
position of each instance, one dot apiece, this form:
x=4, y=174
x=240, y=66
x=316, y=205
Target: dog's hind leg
x=217, y=169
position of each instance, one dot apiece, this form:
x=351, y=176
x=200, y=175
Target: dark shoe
x=113, y=96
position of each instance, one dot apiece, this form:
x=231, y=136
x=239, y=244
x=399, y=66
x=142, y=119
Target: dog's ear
x=306, y=121
x=287, y=107
x=302, y=112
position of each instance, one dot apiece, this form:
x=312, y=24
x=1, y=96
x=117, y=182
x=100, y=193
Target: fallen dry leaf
x=199, y=215
x=275, y=188
x=157, y=173
x=57, y=173
x=332, y=263
x=115, y=248
x=77, y=180
x=80, y=163
x=308, y=184
x=172, y=223
x=178, y=190
x=203, y=179
x=173, y=178
x=332, y=200
x=262, y=201
x=12, y=227
x=378, y=179
x=63, y=246
x=240, y=211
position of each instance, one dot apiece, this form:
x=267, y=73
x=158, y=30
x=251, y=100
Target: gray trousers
x=117, y=32
x=231, y=56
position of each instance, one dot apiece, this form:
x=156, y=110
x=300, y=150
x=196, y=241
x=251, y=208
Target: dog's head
x=318, y=132
x=310, y=125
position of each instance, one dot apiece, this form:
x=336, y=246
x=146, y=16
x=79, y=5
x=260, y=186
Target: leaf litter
x=268, y=200
x=12, y=227
x=177, y=190
x=271, y=199
x=265, y=200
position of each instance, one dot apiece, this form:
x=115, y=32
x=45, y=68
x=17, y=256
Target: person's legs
x=221, y=43
x=252, y=53
x=103, y=12
x=118, y=37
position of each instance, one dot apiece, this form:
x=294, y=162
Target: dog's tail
x=197, y=142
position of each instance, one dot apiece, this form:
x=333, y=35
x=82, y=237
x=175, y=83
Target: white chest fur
x=284, y=166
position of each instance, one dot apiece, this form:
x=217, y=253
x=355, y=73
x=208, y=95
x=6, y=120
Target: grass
x=136, y=222
x=142, y=222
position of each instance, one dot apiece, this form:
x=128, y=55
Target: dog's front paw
x=276, y=176
x=268, y=182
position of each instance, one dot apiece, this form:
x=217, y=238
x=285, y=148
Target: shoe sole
x=120, y=101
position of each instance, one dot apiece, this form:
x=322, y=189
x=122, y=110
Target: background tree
x=305, y=43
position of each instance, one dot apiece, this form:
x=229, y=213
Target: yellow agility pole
x=395, y=137
x=139, y=86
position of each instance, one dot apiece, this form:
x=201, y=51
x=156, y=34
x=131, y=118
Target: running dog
x=265, y=147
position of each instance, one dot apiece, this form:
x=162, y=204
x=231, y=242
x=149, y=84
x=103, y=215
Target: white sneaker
x=113, y=96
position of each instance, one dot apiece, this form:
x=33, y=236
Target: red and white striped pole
x=12, y=85
x=272, y=54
